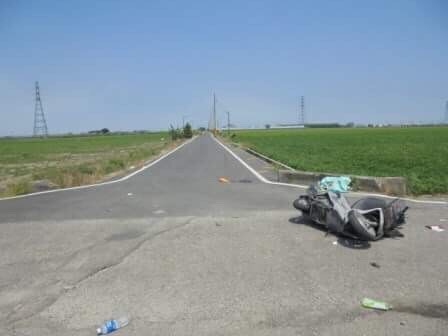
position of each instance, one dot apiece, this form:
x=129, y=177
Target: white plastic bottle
x=112, y=325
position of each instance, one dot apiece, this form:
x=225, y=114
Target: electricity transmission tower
x=40, y=124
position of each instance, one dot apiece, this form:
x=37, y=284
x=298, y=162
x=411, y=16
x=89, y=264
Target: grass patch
x=419, y=154
x=72, y=161
x=26, y=150
x=113, y=165
x=18, y=188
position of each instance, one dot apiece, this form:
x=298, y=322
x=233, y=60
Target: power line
x=40, y=124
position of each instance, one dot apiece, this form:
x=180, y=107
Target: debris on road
x=223, y=179
x=443, y=220
x=158, y=212
x=375, y=304
x=111, y=325
x=245, y=181
x=374, y=264
x=437, y=228
x=335, y=183
x=130, y=194
x=335, y=242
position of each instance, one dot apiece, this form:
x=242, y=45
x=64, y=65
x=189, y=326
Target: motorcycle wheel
x=362, y=226
x=303, y=204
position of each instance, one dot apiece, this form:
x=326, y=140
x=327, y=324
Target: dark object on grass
x=369, y=218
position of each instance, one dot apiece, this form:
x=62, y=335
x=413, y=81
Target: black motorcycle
x=369, y=218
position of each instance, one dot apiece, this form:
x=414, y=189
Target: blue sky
x=144, y=64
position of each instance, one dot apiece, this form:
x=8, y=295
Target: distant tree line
x=101, y=131
x=177, y=133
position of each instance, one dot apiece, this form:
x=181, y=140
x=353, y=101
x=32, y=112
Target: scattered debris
x=374, y=264
x=437, y=228
x=223, y=179
x=375, y=304
x=217, y=224
x=402, y=323
x=335, y=242
x=158, y=212
x=131, y=167
x=111, y=325
x=130, y=194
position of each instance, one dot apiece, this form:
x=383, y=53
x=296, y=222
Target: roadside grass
x=18, y=188
x=72, y=161
x=420, y=154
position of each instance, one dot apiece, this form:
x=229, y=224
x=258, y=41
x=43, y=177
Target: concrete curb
x=388, y=185
x=267, y=159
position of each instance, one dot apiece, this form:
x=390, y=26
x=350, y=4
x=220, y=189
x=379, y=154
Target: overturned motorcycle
x=369, y=218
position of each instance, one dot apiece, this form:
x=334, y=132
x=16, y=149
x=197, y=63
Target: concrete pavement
x=188, y=255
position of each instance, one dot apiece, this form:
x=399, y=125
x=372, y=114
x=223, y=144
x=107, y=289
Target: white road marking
x=264, y=180
x=124, y=178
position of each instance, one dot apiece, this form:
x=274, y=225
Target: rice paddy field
x=420, y=154
x=72, y=160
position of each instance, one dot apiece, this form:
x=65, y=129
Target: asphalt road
x=187, y=255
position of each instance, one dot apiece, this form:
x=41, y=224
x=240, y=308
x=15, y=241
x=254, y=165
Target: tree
x=188, y=133
x=174, y=133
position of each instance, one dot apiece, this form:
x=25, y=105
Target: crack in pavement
x=41, y=301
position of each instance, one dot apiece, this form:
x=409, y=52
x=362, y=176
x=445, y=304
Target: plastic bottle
x=112, y=325
x=375, y=304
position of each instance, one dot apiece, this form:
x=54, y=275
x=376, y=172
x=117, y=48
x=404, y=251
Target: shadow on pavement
x=305, y=220
x=351, y=243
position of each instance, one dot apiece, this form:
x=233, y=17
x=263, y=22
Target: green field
x=419, y=153
x=70, y=161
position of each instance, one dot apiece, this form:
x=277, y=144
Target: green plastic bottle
x=375, y=304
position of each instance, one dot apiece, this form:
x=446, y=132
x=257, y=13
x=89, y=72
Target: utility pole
x=214, y=114
x=446, y=112
x=40, y=124
x=302, y=111
x=183, y=121
x=228, y=123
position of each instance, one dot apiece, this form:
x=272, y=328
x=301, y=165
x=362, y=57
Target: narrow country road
x=182, y=254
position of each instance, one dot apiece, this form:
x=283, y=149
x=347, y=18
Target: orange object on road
x=223, y=179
